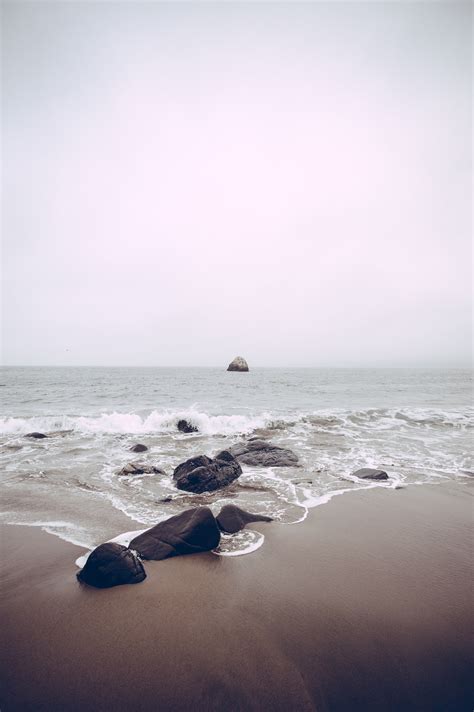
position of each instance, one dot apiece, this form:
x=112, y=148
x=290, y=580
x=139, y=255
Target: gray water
x=416, y=424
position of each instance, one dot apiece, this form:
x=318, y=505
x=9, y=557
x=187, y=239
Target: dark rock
x=201, y=474
x=112, y=565
x=367, y=473
x=232, y=519
x=262, y=453
x=37, y=436
x=138, y=448
x=185, y=427
x=190, y=532
x=238, y=364
x=136, y=468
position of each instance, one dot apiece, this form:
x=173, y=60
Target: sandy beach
x=365, y=606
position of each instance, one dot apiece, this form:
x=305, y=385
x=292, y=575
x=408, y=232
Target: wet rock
x=136, y=468
x=202, y=474
x=190, y=532
x=232, y=519
x=37, y=436
x=110, y=565
x=185, y=427
x=261, y=453
x=368, y=473
x=138, y=448
x=238, y=364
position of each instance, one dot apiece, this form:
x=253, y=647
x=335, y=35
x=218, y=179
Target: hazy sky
x=184, y=182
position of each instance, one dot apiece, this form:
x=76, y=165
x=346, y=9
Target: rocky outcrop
x=232, y=519
x=367, y=473
x=191, y=532
x=36, y=436
x=111, y=565
x=238, y=364
x=261, y=453
x=136, y=468
x=138, y=448
x=202, y=474
x=185, y=427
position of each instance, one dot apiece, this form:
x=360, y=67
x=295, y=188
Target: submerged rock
x=368, y=473
x=37, y=436
x=261, y=453
x=238, y=364
x=136, y=468
x=185, y=427
x=138, y=448
x=110, y=565
x=190, y=532
x=202, y=474
x=232, y=519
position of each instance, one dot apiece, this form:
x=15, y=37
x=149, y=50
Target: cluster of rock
x=204, y=474
x=193, y=531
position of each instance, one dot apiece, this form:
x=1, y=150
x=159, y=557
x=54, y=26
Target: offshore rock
x=136, y=468
x=110, y=565
x=185, y=427
x=190, y=532
x=367, y=473
x=138, y=448
x=238, y=364
x=261, y=453
x=202, y=474
x=37, y=436
x=232, y=519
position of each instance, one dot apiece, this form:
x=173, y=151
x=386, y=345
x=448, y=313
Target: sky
x=185, y=182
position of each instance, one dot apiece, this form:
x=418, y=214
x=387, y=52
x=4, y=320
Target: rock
x=261, y=453
x=111, y=565
x=232, y=519
x=138, y=448
x=37, y=436
x=202, y=474
x=185, y=427
x=238, y=364
x=136, y=468
x=190, y=532
x=367, y=473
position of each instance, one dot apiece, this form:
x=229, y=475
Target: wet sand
x=365, y=606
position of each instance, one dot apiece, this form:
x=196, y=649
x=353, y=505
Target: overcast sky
x=187, y=182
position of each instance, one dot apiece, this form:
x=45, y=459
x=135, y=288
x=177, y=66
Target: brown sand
x=365, y=606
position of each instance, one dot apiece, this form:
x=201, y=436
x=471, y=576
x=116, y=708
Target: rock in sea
x=232, y=519
x=190, y=532
x=261, y=453
x=136, y=468
x=138, y=448
x=37, y=436
x=367, y=473
x=202, y=474
x=110, y=565
x=185, y=427
x=238, y=364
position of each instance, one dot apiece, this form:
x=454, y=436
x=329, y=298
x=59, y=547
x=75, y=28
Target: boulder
x=190, y=532
x=137, y=468
x=367, y=473
x=261, y=453
x=111, y=564
x=238, y=364
x=185, y=427
x=202, y=474
x=232, y=519
x=138, y=448
x=37, y=436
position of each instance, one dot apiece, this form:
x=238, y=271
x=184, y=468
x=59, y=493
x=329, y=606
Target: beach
x=367, y=605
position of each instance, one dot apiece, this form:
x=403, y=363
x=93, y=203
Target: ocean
x=416, y=424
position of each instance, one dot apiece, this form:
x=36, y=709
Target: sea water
x=416, y=424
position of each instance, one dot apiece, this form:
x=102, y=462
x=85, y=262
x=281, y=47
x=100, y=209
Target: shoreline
x=364, y=605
